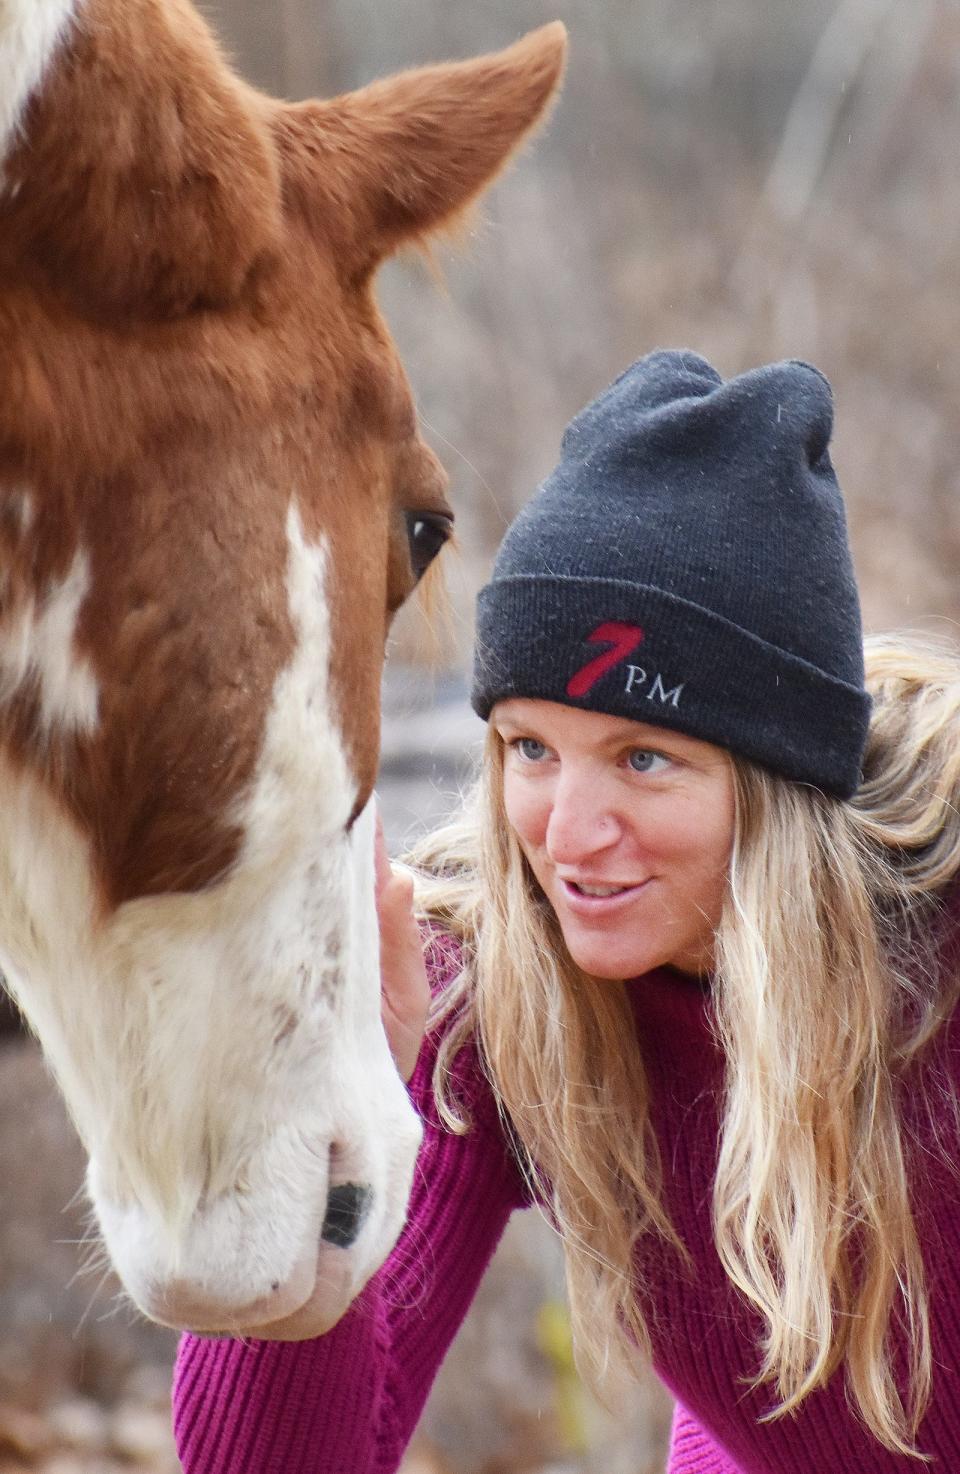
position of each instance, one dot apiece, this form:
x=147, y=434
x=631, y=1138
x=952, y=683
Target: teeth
x=601, y=890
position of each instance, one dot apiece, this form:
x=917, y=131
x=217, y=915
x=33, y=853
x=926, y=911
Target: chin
x=599, y=963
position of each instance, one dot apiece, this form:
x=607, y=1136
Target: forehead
x=593, y=730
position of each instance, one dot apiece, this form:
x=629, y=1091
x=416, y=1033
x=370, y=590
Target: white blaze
x=302, y=741
x=30, y=31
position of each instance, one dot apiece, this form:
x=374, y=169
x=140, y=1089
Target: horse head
x=213, y=498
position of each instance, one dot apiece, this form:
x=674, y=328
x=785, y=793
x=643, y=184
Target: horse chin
x=335, y=1289
x=178, y=1307
x=335, y=1285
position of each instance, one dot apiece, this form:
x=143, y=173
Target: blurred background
x=755, y=180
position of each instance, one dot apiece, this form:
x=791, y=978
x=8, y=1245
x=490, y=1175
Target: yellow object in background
x=555, y=1340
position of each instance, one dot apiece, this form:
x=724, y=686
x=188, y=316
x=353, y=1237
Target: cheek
x=708, y=844
x=694, y=838
x=720, y=828
x=527, y=812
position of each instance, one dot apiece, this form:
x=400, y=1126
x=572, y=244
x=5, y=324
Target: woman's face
x=628, y=829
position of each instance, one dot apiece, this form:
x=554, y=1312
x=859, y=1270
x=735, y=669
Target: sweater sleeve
x=693, y=1451
x=348, y=1402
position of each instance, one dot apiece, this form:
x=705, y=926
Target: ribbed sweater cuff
x=692, y=1451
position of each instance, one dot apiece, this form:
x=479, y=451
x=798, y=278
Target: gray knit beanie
x=687, y=565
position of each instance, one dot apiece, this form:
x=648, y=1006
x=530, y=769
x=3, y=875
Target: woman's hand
x=405, y=995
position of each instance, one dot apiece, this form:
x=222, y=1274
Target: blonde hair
x=826, y=987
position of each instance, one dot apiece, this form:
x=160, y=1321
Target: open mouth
x=584, y=895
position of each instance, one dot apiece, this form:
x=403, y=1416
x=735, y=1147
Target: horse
x=213, y=498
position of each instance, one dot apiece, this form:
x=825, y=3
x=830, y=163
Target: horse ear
x=407, y=155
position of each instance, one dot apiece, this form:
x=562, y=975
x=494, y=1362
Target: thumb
x=383, y=870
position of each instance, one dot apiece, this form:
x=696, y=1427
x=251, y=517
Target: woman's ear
x=406, y=156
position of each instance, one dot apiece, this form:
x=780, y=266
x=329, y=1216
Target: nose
x=347, y=1209
x=583, y=821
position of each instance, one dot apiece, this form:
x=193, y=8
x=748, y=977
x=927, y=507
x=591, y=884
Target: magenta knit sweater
x=347, y=1403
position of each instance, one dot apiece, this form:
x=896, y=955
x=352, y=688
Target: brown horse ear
x=407, y=155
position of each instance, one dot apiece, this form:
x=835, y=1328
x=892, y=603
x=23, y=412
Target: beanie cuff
x=637, y=651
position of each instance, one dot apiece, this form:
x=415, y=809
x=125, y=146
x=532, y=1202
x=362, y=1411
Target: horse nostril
x=347, y=1209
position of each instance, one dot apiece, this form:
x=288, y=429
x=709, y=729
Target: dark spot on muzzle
x=347, y=1209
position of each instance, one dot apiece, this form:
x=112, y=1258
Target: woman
x=695, y=951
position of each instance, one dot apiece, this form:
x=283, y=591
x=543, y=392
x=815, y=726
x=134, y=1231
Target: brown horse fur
x=189, y=345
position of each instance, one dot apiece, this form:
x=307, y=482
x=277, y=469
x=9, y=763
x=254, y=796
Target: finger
x=381, y=859
x=396, y=897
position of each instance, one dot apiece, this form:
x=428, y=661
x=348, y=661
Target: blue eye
x=642, y=760
x=529, y=749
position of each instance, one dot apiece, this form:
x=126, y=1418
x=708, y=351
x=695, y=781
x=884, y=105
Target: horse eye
x=426, y=532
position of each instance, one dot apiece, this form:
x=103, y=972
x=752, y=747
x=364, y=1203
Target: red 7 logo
x=623, y=639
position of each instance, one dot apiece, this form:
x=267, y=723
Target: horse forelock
x=165, y=195
x=30, y=33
